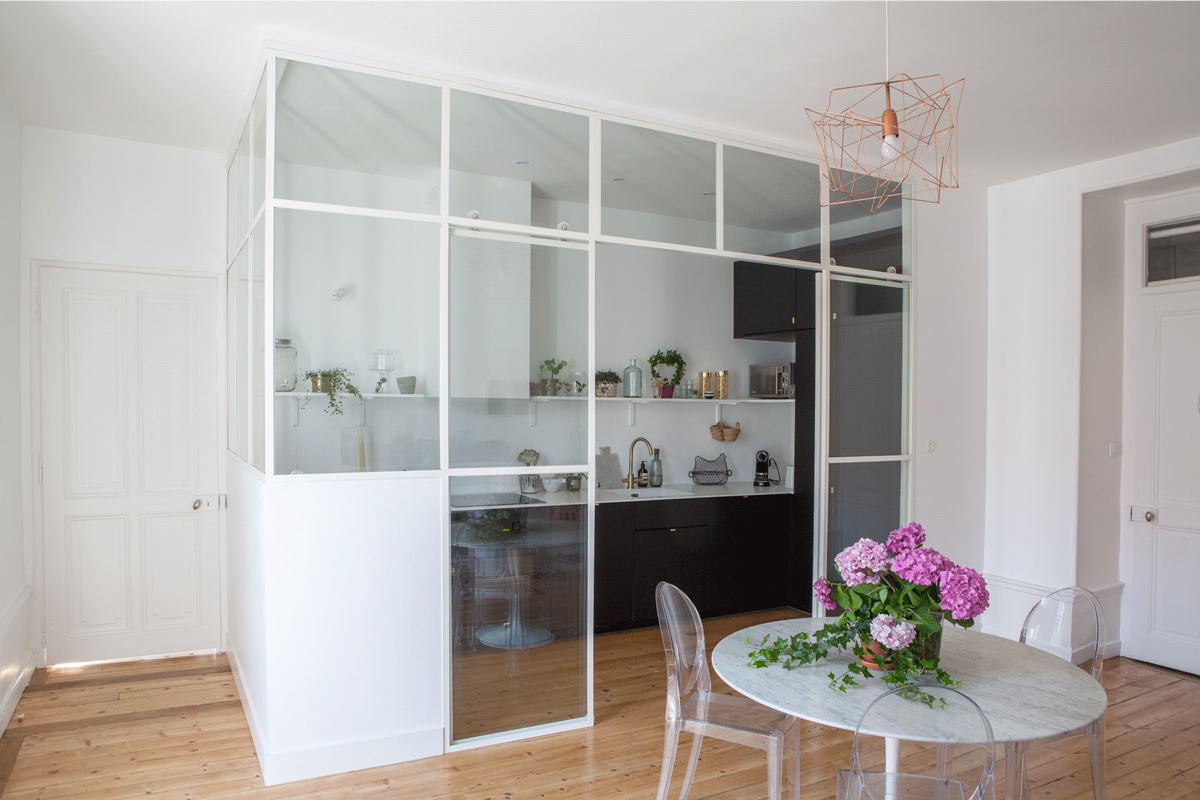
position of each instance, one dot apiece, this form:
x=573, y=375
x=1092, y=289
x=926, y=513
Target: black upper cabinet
x=771, y=301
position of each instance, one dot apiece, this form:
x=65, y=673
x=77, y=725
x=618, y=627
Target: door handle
x=196, y=505
x=1149, y=516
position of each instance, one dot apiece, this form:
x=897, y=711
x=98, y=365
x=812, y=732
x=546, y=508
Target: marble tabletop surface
x=1026, y=693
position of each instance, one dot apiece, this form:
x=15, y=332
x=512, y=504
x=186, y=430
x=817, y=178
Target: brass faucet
x=630, y=480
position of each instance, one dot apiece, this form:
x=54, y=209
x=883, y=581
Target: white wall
x=16, y=643
x=950, y=308
x=1035, y=328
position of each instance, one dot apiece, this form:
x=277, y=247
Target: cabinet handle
x=672, y=530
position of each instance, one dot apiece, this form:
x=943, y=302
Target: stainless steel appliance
x=772, y=381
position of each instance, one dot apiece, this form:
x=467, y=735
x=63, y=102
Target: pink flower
x=892, y=633
x=964, y=593
x=824, y=594
x=921, y=566
x=909, y=537
x=862, y=562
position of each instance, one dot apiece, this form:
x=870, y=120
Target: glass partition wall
x=410, y=293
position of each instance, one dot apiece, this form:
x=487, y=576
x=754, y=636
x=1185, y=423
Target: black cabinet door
x=806, y=301
x=613, y=551
x=748, y=552
x=764, y=301
x=674, y=555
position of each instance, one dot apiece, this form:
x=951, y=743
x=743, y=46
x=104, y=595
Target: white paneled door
x=1165, y=592
x=130, y=453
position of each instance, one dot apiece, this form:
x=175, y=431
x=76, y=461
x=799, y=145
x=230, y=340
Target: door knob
x=1149, y=516
x=196, y=505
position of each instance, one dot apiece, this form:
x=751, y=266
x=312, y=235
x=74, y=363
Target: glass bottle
x=285, y=366
x=642, y=475
x=656, y=470
x=633, y=379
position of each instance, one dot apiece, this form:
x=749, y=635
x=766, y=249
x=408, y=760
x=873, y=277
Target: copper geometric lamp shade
x=871, y=151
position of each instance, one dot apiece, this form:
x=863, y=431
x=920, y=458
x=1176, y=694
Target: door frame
x=1167, y=206
x=33, y=419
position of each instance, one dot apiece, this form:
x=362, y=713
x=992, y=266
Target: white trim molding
x=1011, y=600
x=16, y=653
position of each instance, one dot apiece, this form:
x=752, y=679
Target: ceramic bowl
x=554, y=484
x=407, y=384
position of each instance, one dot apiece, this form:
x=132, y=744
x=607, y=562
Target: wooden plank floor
x=174, y=729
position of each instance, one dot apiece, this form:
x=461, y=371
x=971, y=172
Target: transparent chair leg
x=774, y=768
x=693, y=759
x=943, y=751
x=668, y=762
x=1014, y=771
x=1095, y=739
x=794, y=759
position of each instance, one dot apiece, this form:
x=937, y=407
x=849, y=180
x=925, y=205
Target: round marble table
x=1027, y=694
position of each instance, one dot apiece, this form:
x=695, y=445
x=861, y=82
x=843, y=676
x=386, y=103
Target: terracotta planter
x=875, y=657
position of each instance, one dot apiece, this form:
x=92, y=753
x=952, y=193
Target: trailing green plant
x=334, y=382
x=607, y=376
x=671, y=358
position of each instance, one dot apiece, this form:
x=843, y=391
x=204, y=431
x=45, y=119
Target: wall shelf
x=729, y=401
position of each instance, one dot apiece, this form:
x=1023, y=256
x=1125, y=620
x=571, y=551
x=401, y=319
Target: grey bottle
x=633, y=379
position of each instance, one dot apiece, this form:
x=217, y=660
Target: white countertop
x=690, y=491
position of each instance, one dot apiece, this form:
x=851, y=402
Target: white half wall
x=16, y=640
x=1035, y=366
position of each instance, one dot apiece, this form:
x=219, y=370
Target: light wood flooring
x=174, y=729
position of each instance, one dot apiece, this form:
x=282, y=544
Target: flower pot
x=874, y=656
x=931, y=646
x=318, y=383
x=551, y=387
x=668, y=391
x=606, y=390
x=536, y=388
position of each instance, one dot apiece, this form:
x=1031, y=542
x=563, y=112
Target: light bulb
x=891, y=149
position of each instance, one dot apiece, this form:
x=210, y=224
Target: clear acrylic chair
x=693, y=707
x=905, y=749
x=1070, y=624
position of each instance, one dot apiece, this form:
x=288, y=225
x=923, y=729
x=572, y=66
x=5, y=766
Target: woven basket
x=725, y=433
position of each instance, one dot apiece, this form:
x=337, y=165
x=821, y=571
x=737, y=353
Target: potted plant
x=893, y=602
x=551, y=367
x=671, y=358
x=530, y=484
x=606, y=383
x=331, y=383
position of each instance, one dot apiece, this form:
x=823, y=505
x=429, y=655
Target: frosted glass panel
x=231, y=241
x=513, y=308
x=658, y=186
x=866, y=500
x=518, y=606
x=258, y=165
x=517, y=163
x=354, y=139
x=241, y=445
x=772, y=205
x=243, y=184
x=258, y=373
x=232, y=357
x=868, y=386
x=347, y=289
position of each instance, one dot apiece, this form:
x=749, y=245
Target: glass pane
x=879, y=241
x=231, y=357
x=772, y=205
x=1173, y=251
x=658, y=186
x=518, y=606
x=348, y=138
x=868, y=391
x=258, y=372
x=231, y=241
x=866, y=501
x=258, y=173
x=242, y=355
x=348, y=289
x=512, y=162
x=243, y=184
x=518, y=332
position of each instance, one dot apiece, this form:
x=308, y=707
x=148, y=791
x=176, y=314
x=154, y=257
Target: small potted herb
x=670, y=358
x=331, y=383
x=606, y=383
x=551, y=367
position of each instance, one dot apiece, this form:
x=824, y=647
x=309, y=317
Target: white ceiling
x=1048, y=85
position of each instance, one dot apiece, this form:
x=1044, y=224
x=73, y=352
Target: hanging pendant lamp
x=872, y=151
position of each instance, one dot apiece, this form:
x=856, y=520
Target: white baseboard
x=332, y=759
x=16, y=654
x=1011, y=600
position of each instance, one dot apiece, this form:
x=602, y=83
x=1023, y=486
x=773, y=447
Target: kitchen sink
x=655, y=491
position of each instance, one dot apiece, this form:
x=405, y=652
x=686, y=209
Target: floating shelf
x=371, y=396
x=728, y=401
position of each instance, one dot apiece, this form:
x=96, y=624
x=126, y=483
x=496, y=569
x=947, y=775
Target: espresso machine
x=762, y=462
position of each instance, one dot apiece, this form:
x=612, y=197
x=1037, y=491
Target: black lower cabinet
x=729, y=554
x=747, y=547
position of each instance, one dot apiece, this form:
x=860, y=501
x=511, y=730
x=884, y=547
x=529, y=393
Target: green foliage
x=333, y=383
x=861, y=604
x=607, y=376
x=552, y=367
x=671, y=358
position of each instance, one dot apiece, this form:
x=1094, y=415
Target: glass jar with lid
x=285, y=366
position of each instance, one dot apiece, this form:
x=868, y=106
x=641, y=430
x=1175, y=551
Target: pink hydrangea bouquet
x=892, y=603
